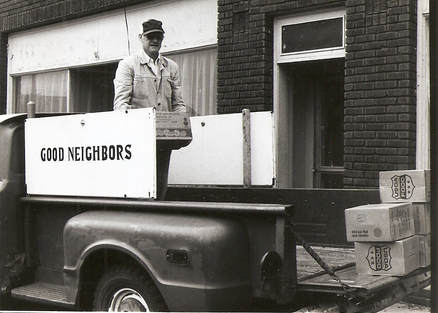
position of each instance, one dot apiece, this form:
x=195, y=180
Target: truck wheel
x=123, y=289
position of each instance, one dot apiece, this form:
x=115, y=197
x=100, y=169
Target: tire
x=124, y=289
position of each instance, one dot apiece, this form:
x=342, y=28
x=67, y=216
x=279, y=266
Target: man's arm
x=177, y=99
x=123, y=85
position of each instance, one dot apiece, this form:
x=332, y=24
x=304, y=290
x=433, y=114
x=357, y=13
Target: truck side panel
x=318, y=213
x=217, y=269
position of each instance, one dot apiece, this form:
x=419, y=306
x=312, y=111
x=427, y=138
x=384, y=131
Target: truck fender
x=194, y=260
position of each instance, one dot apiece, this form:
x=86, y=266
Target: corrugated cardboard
x=424, y=242
x=392, y=258
x=421, y=212
x=405, y=186
x=379, y=222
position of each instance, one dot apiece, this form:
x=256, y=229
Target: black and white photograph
x=218, y=156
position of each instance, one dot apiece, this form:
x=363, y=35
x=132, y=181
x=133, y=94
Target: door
x=317, y=118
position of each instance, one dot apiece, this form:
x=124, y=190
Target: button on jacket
x=136, y=85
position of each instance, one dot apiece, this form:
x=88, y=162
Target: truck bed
x=319, y=219
x=368, y=293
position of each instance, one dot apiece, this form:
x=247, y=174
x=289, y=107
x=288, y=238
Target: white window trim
x=318, y=54
x=423, y=87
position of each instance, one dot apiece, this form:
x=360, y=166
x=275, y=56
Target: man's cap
x=152, y=26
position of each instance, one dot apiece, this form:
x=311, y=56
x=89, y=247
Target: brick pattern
x=380, y=89
x=245, y=54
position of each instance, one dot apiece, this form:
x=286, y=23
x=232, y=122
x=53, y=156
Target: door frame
x=282, y=103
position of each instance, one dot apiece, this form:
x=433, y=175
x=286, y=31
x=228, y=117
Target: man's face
x=152, y=43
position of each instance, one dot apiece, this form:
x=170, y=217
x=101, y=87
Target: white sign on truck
x=107, y=154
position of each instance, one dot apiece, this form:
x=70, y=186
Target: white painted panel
x=104, y=37
x=262, y=148
x=109, y=163
x=215, y=156
x=83, y=41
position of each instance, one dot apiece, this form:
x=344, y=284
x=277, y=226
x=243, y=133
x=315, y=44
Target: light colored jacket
x=136, y=86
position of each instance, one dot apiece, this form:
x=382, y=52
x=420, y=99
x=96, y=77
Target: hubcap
x=128, y=300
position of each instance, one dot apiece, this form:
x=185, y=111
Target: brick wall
x=245, y=53
x=380, y=75
x=380, y=88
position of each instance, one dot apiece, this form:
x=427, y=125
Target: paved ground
x=406, y=307
x=396, y=308
x=15, y=305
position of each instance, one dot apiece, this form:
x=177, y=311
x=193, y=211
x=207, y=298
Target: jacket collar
x=144, y=59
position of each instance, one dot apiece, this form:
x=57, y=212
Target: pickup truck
x=196, y=249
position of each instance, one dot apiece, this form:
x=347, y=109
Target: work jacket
x=136, y=85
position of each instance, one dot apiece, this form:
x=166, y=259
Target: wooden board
x=335, y=257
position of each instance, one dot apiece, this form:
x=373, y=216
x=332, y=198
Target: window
x=47, y=90
x=199, y=82
x=315, y=36
x=90, y=88
x=312, y=35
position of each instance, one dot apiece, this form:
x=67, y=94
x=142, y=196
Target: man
x=148, y=79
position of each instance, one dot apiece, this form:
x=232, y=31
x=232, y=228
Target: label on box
x=392, y=258
x=405, y=186
x=379, y=258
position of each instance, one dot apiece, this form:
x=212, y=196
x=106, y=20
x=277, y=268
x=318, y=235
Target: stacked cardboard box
x=393, y=237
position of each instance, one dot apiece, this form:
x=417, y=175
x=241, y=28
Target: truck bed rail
x=149, y=205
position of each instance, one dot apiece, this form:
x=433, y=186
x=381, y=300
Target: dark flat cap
x=151, y=26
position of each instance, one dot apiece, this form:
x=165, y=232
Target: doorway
x=313, y=100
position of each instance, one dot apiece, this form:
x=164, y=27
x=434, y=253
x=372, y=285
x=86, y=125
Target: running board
x=43, y=293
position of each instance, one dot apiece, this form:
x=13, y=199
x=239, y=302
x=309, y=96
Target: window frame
x=12, y=108
x=309, y=55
